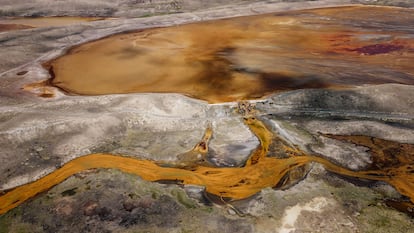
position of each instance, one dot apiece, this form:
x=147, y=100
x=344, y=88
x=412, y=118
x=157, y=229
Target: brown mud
x=247, y=57
x=230, y=183
x=11, y=27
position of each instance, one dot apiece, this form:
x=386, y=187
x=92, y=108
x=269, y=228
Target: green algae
x=379, y=218
x=183, y=199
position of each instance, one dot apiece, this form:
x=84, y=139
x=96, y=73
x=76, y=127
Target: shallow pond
x=247, y=57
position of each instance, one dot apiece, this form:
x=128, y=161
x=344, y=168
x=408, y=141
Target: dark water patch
x=401, y=205
x=22, y=72
x=69, y=192
x=377, y=49
x=275, y=81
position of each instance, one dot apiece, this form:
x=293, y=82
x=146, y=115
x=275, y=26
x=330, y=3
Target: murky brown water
x=25, y=23
x=248, y=57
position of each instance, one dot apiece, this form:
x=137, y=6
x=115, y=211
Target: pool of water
x=247, y=57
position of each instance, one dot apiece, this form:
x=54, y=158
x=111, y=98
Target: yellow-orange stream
x=260, y=171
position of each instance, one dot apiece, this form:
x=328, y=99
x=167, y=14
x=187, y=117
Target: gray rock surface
x=135, y=8
x=144, y=8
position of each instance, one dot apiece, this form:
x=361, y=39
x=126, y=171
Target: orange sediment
x=245, y=57
x=39, y=22
x=259, y=172
x=10, y=27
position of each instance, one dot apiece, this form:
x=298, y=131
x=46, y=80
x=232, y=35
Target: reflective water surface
x=248, y=57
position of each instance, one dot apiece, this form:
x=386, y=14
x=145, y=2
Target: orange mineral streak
x=42, y=89
x=233, y=183
x=245, y=57
x=39, y=22
x=11, y=27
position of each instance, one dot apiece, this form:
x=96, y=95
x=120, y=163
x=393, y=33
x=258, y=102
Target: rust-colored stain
x=42, y=89
x=348, y=44
x=20, y=23
x=377, y=49
x=385, y=154
x=260, y=170
x=247, y=57
x=11, y=27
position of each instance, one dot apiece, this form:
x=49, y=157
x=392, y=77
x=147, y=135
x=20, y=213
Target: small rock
x=89, y=208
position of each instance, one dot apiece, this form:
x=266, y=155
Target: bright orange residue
x=235, y=183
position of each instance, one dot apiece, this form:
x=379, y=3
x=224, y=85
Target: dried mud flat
x=331, y=158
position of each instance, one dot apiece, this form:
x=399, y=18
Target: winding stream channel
x=260, y=170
